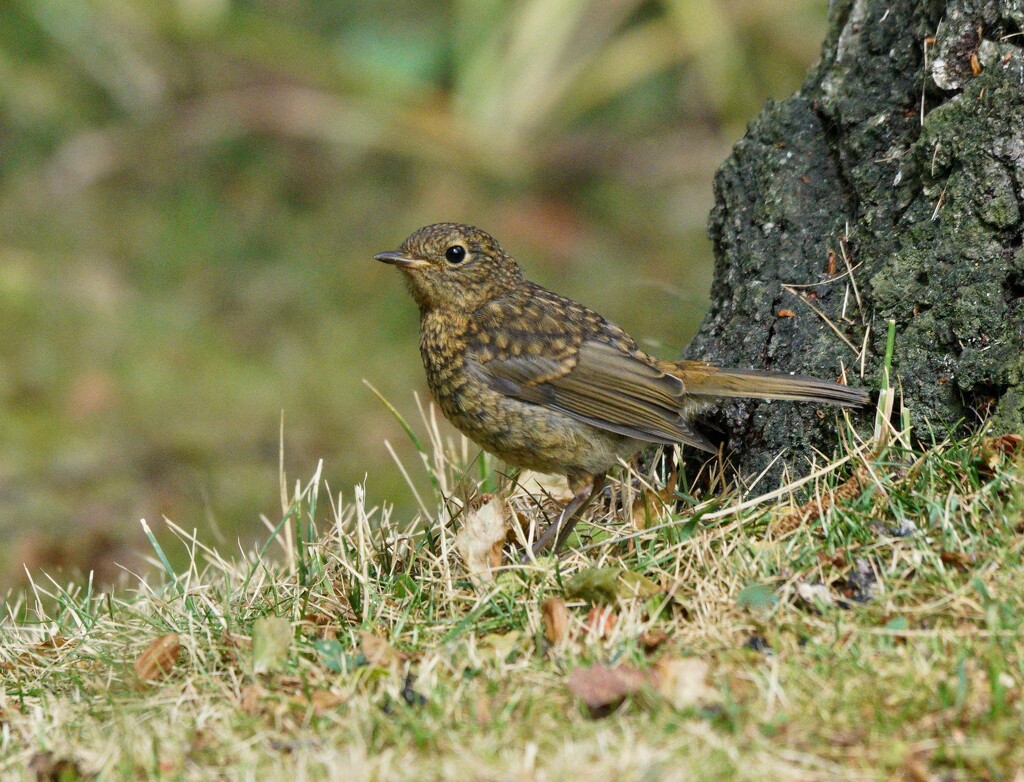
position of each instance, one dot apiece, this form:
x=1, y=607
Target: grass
x=877, y=636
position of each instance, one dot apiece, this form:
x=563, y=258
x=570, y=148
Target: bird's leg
x=568, y=521
x=563, y=526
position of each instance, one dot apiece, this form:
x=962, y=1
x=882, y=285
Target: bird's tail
x=707, y=380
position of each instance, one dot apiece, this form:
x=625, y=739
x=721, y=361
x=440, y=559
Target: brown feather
x=710, y=381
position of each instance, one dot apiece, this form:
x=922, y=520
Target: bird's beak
x=401, y=261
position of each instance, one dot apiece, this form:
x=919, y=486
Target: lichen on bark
x=889, y=186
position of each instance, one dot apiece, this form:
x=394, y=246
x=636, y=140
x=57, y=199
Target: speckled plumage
x=471, y=360
x=545, y=383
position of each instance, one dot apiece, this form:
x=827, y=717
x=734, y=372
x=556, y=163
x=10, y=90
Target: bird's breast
x=443, y=347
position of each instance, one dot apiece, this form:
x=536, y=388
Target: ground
x=862, y=625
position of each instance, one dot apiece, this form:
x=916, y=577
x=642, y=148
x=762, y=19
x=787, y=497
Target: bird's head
x=450, y=265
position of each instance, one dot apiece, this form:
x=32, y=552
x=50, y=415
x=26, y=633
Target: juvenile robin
x=547, y=384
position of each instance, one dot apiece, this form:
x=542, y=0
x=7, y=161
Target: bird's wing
x=599, y=383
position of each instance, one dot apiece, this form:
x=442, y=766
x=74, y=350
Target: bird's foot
x=559, y=530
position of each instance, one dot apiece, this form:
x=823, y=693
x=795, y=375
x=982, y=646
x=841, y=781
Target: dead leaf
x=501, y=644
x=608, y=584
x=1008, y=444
x=602, y=688
x=231, y=645
x=958, y=559
x=636, y=585
x=271, y=640
x=595, y=585
x=379, y=652
x=652, y=638
x=42, y=651
x=683, y=682
x=159, y=658
x=786, y=314
x=600, y=621
x=992, y=450
x=815, y=595
x=481, y=538
x=654, y=505
x=50, y=645
x=251, y=700
x=324, y=701
x=319, y=625
x=915, y=766
x=482, y=714
x=837, y=559
x=556, y=619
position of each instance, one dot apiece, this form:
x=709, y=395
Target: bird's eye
x=455, y=254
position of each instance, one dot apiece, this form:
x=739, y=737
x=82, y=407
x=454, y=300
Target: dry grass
x=878, y=639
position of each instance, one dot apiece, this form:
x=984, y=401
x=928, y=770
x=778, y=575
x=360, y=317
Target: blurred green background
x=191, y=193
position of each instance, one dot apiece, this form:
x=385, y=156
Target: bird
x=547, y=384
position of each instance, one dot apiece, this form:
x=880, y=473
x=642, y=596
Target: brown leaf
x=38, y=653
x=992, y=450
x=482, y=710
x=838, y=559
x=320, y=626
x=379, y=652
x=231, y=645
x=915, y=766
x=251, y=700
x=652, y=638
x=159, y=658
x=324, y=701
x=481, y=538
x=556, y=619
x=600, y=621
x=683, y=682
x=50, y=645
x=1008, y=444
x=654, y=505
x=786, y=314
x=957, y=559
x=602, y=688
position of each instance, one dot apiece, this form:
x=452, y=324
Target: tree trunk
x=889, y=186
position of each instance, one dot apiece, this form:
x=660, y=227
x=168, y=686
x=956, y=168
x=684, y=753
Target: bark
x=903, y=153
